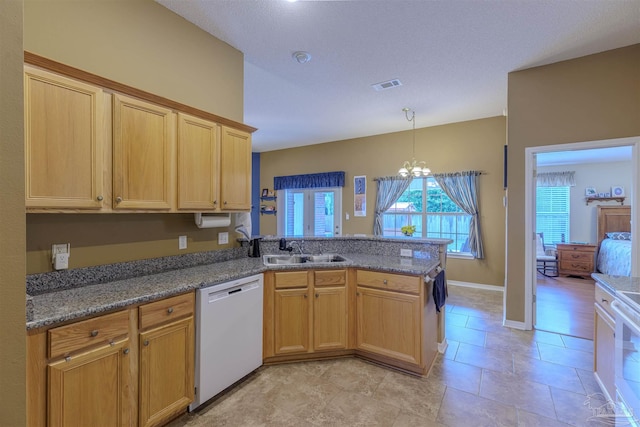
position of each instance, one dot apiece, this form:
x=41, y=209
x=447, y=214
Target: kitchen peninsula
x=375, y=283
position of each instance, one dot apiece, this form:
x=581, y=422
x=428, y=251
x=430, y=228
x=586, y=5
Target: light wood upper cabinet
x=64, y=140
x=198, y=163
x=235, y=169
x=143, y=155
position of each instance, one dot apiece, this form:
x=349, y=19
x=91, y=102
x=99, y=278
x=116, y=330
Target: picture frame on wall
x=265, y=192
x=617, y=191
x=590, y=192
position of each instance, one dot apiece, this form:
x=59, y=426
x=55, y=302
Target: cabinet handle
x=603, y=300
x=225, y=202
x=145, y=342
x=125, y=351
x=317, y=295
x=215, y=202
x=305, y=295
x=94, y=333
x=118, y=199
x=170, y=310
x=357, y=294
x=67, y=359
x=100, y=198
x=384, y=281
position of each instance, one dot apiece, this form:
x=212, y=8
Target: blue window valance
x=311, y=180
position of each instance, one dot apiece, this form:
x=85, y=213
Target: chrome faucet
x=289, y=247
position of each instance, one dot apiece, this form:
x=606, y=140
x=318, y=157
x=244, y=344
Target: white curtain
x=556, y=179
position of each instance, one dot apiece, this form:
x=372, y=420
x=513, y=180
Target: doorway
x=572, y=151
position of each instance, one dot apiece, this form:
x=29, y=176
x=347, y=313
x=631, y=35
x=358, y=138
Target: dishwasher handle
x=215, y=296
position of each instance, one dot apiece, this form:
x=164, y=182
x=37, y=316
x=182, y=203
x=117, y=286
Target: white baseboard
x=442, y=346
x=514, y=324
x=475, y=285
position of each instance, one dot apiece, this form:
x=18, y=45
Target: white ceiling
x=452, y=57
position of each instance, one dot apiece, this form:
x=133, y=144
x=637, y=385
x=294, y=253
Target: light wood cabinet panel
x=198, y=163
x=90, y=389
x=235, y=169
x=330, y=318
x=389, y=324
x=143, y=146
x=292, y=319
x=166, y=371
x=604, y=354
x=64, y=142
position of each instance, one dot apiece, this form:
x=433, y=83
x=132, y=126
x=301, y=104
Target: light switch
x=182, y=242
x=223, y=238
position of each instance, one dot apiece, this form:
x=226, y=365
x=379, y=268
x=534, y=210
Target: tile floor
x=489, y=376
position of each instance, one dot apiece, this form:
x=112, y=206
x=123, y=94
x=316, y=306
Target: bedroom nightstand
x=576, y=259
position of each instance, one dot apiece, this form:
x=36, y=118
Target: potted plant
x=408, y=230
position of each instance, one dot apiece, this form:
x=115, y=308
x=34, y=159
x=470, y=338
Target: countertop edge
x=192, y=280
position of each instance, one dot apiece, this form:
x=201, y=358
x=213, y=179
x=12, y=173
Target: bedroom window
x=432, y=212
x=552, y=213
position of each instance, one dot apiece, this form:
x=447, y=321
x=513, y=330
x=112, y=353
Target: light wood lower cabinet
x=604, y=342
x=91, y=389
x=305, y=312
x=134, y=367
x=396, y=320
x=166, y=367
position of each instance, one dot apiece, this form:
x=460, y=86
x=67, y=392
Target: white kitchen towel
x=243, y=224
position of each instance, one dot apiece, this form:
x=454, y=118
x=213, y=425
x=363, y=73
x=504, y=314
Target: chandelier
x=413, y=167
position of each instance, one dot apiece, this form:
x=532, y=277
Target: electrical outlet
x=223, y=238
x=182, y=242
x=406, y=252
x=60, y=255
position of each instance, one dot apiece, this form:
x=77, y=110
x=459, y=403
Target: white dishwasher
x=228, y=335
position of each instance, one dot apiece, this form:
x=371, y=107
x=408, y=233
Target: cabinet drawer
x=389, y=281
x=165, y=310
x=576, y=256
x=604, y=298
x=585, y=266
x=330, y=277
x=86, y=333
x=291, y=279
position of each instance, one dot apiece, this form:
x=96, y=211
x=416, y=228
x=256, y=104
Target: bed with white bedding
x=614, y=240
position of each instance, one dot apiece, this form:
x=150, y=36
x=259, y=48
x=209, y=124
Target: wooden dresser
x=576, y=259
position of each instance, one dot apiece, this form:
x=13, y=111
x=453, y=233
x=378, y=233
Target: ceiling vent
x=386, y=85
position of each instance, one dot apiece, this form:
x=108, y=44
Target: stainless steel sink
x=303, y=259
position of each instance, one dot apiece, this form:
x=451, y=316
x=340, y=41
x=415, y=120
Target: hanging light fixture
x=413, y=167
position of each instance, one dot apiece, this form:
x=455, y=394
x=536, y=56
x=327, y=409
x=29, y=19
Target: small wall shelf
x=604, y=199
x=267, y=212
x=268, y=198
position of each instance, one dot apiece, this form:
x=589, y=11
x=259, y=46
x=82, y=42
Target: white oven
x=627, y=355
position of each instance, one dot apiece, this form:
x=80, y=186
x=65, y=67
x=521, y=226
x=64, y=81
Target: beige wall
x=472, y=145
x=12, y=264
x=595, y=97
x=144, y=45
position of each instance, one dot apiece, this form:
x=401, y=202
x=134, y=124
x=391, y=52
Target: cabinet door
x=143, y=144
x=91, y=389
x=291, y=321
x=198, y=163
x=330, y=318
x=604, y=352
x=388, y=323
x=166, y=371
x=64, y=132
x=235, y=169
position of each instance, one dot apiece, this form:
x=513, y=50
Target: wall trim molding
x=514, y=324
x=475, y=285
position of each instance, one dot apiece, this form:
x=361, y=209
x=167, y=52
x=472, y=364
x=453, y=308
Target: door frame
x=530, y=210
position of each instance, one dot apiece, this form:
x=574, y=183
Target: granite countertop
x=54, y=307
x=618, y=283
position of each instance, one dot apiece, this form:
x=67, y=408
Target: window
x=426, y=206
x=310, y=212
x=552, y=213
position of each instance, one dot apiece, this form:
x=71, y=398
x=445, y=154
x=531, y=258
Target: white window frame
x=308, y=214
